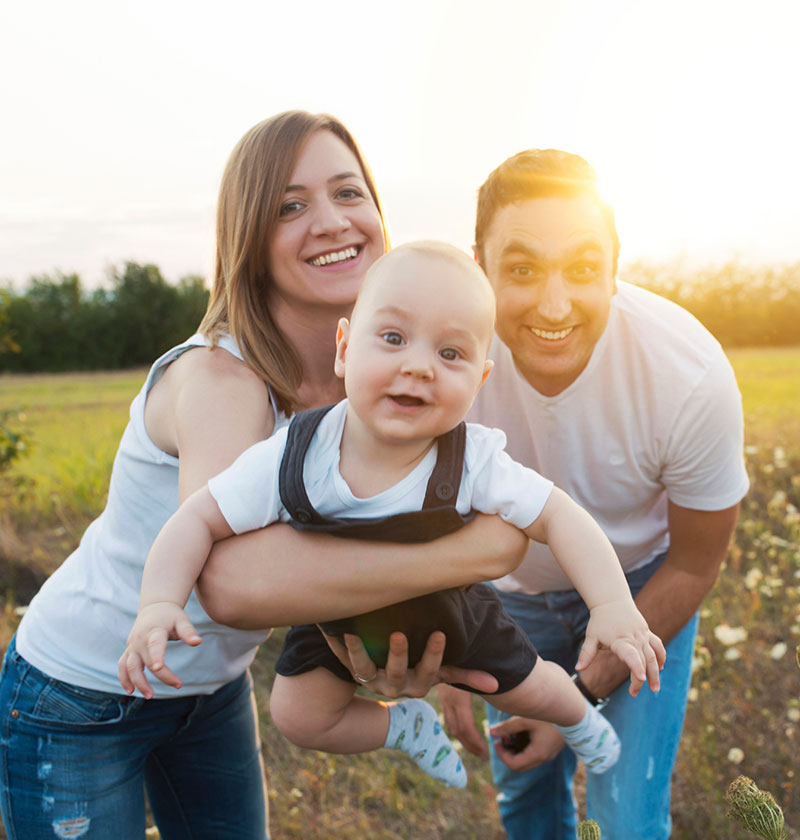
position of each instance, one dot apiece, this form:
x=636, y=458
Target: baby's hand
x=619, y=626
x=155, y=625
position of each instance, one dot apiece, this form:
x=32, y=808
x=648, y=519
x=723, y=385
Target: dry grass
x=744, y=713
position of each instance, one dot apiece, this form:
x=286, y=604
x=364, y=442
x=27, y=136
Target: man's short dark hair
x=538, y=173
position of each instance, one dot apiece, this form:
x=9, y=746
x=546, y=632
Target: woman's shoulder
x=215, y=371
x=207, y=389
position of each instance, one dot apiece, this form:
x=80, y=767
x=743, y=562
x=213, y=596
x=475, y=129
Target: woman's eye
x=393, y=338
x=290, y=207
x=449, y=354
x=349, y=194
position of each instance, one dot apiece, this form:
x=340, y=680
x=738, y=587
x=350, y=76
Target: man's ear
x=342, y=335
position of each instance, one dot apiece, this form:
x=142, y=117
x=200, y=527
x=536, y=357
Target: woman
x=298, y=224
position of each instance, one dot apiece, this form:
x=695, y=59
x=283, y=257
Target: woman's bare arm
x=278, y=576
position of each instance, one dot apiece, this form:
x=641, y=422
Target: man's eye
x=583, y=271
x=524, y=272
x=449, y=354
x=290, y=207
x=393, y=338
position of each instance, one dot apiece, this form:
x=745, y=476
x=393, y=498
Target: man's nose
x=555, y=303
x=329, y=219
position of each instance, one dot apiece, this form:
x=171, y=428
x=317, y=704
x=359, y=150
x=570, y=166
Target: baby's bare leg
x=549, y=694
x=318, y=711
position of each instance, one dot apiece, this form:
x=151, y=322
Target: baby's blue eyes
x=449, y=354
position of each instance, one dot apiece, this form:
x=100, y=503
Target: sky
x=116, y=117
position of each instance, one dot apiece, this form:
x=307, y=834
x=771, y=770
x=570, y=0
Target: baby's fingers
x=655, y=656
x=131, y=673
x=156, y=649
x=632, y=656
x=588, y=653
x=185, y=631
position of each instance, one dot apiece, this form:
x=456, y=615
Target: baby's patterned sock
x=593, y=740
x=414, y=728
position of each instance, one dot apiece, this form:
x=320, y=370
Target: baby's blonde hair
x=436, y=250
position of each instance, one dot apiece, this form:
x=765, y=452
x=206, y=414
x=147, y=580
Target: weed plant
x=744, y=710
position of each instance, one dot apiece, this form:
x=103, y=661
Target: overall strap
x=437, y=517
x=291, y=487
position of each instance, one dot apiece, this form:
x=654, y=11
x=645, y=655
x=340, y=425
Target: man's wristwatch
x=597, y=702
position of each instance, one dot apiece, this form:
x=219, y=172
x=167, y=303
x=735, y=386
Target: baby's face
x=415, y=355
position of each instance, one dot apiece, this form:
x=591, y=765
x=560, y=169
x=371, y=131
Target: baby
x=395, y=461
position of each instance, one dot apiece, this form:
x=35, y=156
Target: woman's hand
x=397, y=679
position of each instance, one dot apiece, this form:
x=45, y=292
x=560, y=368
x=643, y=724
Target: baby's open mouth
x=403, y=399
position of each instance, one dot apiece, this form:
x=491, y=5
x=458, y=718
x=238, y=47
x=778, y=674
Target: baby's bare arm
x=173, y=565
x=587, y=557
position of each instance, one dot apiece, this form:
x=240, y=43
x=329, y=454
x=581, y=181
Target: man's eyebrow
x=517, y=246
x=341, y=176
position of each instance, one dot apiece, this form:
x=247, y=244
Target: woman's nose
x=329, y=219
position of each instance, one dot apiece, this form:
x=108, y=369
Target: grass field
x=744, y=710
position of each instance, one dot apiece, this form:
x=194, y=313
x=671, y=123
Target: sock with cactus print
x=414, y=728
x=593, y=740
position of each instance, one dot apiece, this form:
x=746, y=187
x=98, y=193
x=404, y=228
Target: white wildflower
x=778, y=651
x=753, y=578
x=732, y=654
x=729, y=635
x=735, y=755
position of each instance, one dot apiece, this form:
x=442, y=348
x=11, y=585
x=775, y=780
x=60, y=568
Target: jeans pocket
x=50, y=702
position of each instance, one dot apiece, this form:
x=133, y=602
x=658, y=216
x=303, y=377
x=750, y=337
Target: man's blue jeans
x=75, y=762
x=632, y=800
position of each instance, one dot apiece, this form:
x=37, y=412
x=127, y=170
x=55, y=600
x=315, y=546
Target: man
x=626, y=402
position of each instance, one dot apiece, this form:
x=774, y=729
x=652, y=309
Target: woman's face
x=329, y=231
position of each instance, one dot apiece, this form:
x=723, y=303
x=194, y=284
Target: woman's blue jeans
x=632, y=800
x=75, y=762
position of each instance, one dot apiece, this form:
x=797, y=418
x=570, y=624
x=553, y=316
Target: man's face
x=550, y=261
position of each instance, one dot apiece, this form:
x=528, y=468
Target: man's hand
x=459, y=719
x=397, y=679
x=147, y=643
x=545, y=743
x=619, y=626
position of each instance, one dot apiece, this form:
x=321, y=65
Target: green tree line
x=57, y=325
x=740, y=305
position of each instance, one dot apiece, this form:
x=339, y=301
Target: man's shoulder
x=660, y=328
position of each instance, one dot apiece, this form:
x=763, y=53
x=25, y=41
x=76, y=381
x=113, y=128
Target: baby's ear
x=487, y=369
x=342, y=335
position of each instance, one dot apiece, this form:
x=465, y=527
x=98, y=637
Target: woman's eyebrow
x=341, y=176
